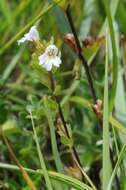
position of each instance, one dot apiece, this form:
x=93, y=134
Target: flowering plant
x=51, y=55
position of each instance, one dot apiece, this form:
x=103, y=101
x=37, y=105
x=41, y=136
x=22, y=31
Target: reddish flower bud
x=90, y=40
x=70, y=40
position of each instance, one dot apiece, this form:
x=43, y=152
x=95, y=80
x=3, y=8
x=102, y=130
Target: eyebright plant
x=48, y=58
x=51, y=55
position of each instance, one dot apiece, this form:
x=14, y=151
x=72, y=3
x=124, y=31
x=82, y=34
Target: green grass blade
x=117, y=125
x=81, y=101
x=9, y=28
x=85, y=25
x=124, y=57
x=106, y=157
x=57, y=159
x=120, y=158
x=11, y=66
x=54, y=175
x=71, y=90
x=41, y=158
x=115, y=141
x=115, y=58
x=5, y=9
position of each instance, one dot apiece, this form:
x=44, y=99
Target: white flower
x=50, y=57
x=32, y=35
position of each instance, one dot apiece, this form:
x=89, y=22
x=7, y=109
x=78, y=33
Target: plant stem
x=74, y=152
x=54, y=175
x=84, y=62
x=20, y=167
x=80, y=55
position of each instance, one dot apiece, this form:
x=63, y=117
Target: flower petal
x=22, y=40
x=45, y=62
x=42, y=59
x=56, y=61
x=48, y=66
x=50, y=58
x=33, y=33
x=51, y=48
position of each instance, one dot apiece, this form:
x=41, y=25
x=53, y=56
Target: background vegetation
x=29, y=114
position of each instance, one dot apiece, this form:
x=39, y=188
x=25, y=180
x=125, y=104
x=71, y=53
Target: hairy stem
x=74, y=152
x=80, y=55
x=86, y=67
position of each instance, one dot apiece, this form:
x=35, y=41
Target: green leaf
x=64, y=138
x=41, y=74
x=115, y=57
x=72, y=88
x=53, y=136
x=105, y=154
x=117, y=124
x=88, y=51
x=10, y=127
x=80, y=100
x=51, y=103
x=66, y=141
x=120, y=100
x=57, y=90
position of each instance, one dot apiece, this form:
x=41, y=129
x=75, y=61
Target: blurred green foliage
x=21, y=89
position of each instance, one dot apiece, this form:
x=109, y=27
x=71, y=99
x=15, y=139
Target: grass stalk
x=106, y=154
x=115, y=57
x=41, y=158
x=14, y=158
x=57, y=159
x=54, y=175
x=120, y=158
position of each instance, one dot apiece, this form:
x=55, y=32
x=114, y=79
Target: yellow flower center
x=51, y=53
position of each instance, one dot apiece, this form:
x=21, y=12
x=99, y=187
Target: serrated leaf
x=39, y=112
x=70, y=131
x=67, y=141
x=51, y=103
x=25, y=151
